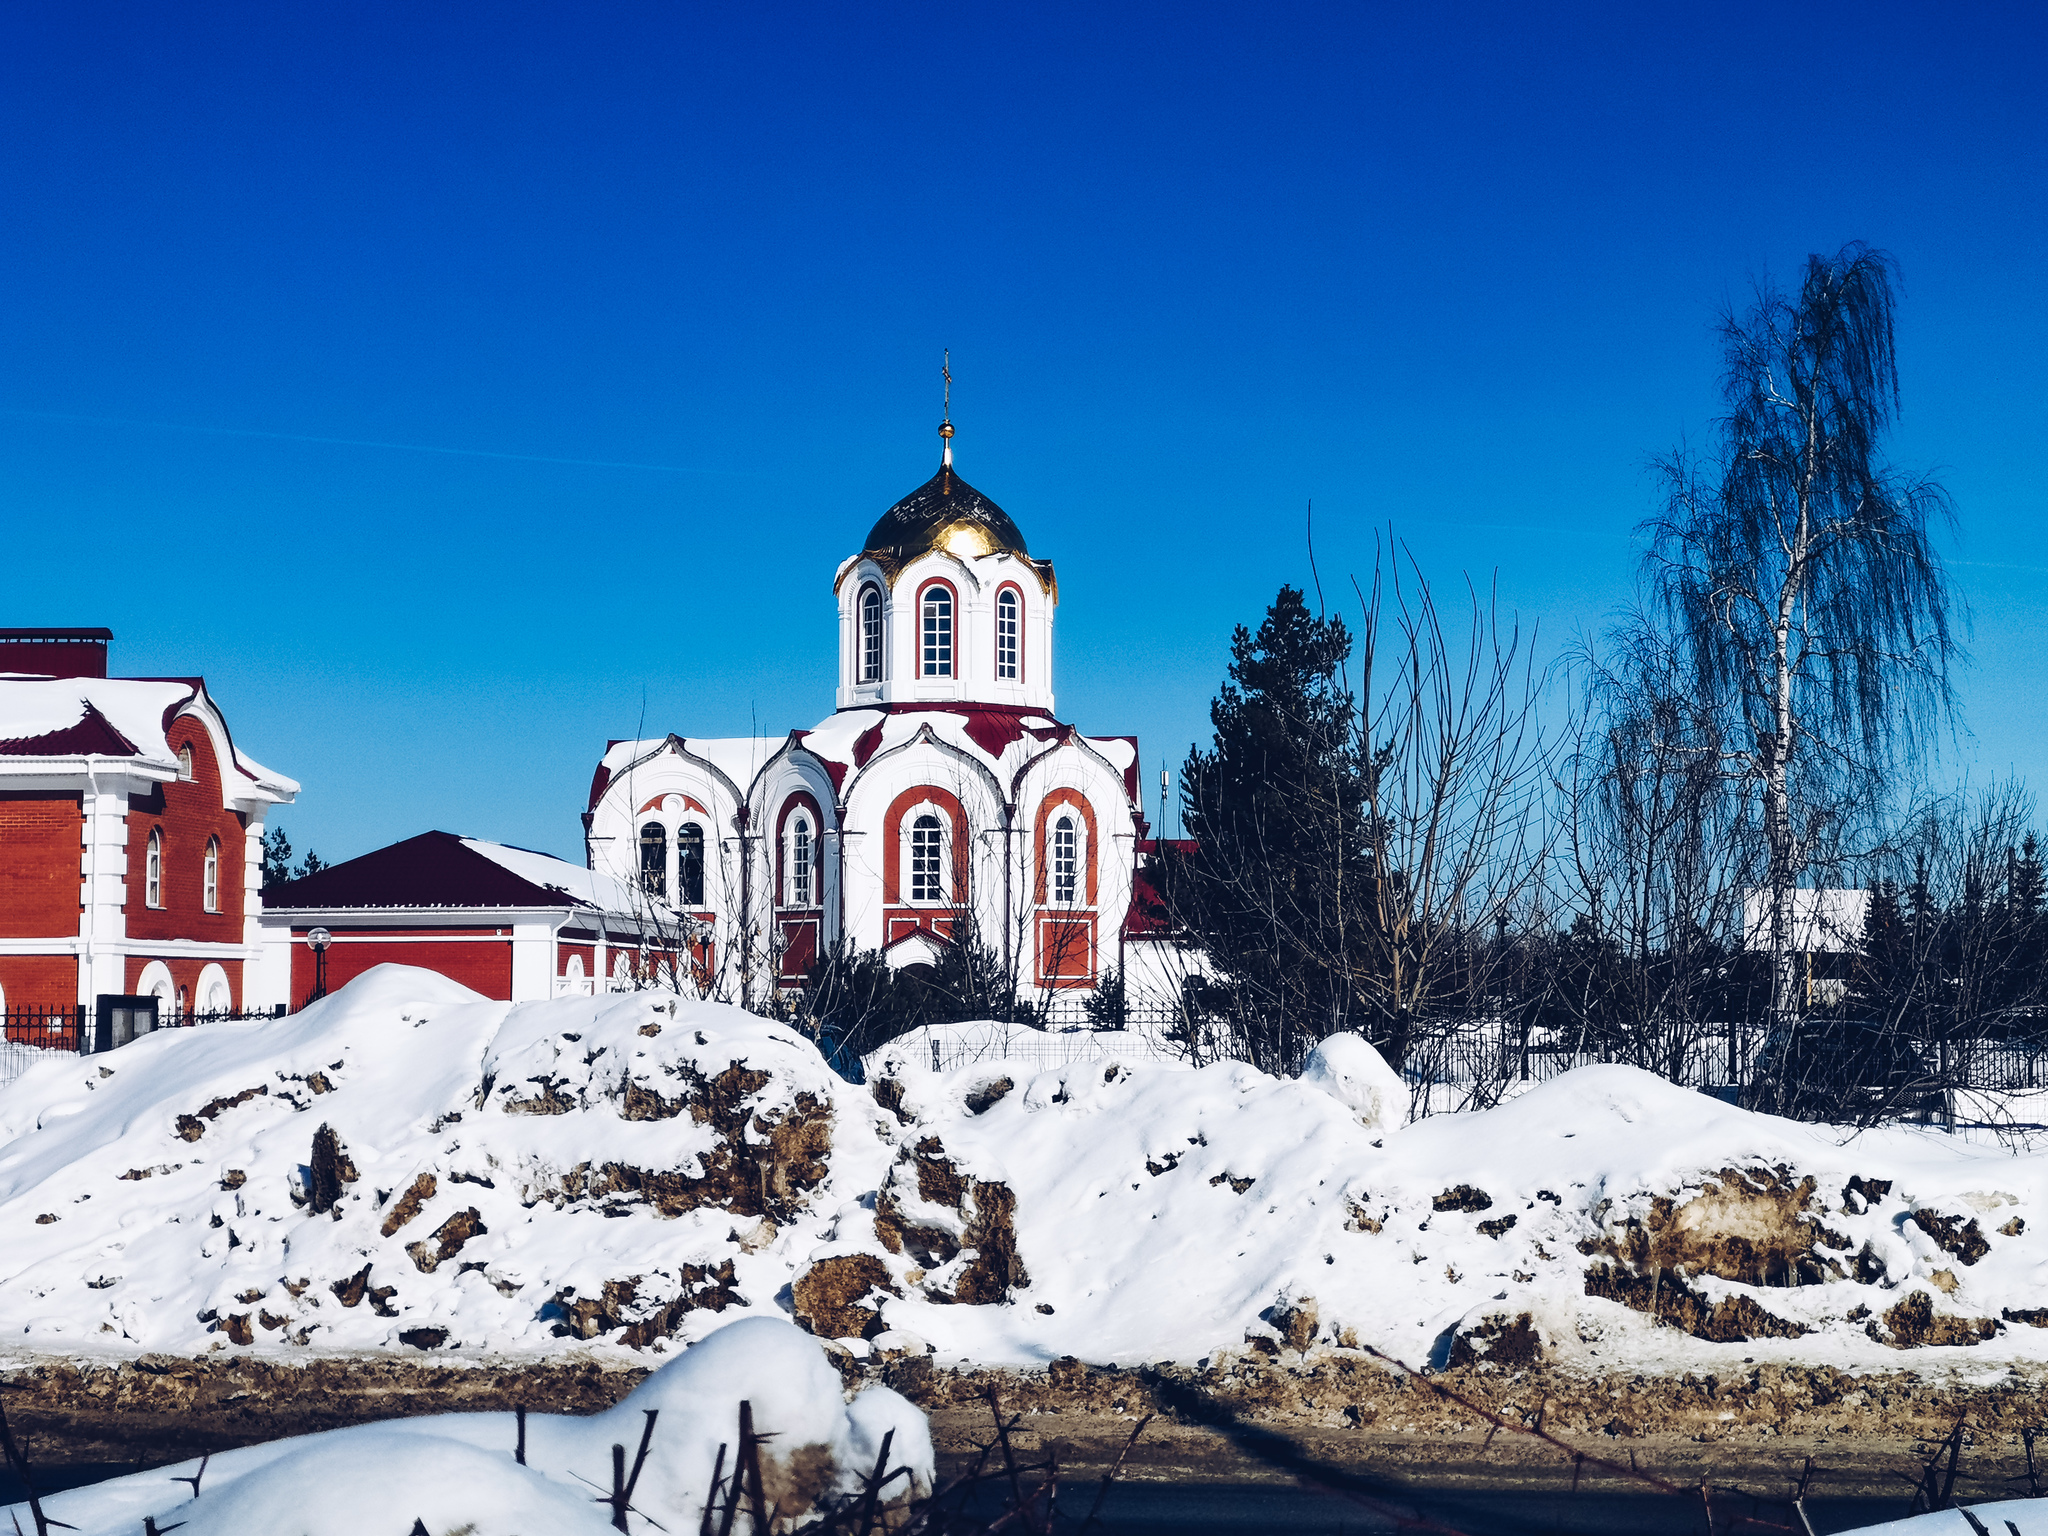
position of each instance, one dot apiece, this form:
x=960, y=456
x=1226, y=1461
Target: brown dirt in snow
x=1913, y=1322
x=447, y=1241
x=1242, y=1421
x=1753, y=1225
x=768, y=1173
x=1954, y=1236
x=409, y=1203
x=619, y=1305
x=987, y=1223
x=1667, y=1297
x=332, y=1170
x=828, y=1296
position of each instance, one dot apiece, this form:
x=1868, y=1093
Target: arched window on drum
x=937, y=631
x=1009, y=616
x=654, y=859
x=871, y=634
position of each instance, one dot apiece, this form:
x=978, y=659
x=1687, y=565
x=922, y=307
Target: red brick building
x=512, y=924
x=131, y=834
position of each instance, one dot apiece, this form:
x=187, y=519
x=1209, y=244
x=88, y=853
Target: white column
x=533, y=952
x=103, y=886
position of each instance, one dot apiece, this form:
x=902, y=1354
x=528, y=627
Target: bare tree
x=1797, y=571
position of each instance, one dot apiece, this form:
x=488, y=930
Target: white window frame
x=661, y=872
x=1009, y=636
x=869, y=661
x=937, y=632
x=185, y=763
x=914, y=875
x=703, y=864
x=803, y=848
x=211, y=889
x=153, y=870
x=1065, y=886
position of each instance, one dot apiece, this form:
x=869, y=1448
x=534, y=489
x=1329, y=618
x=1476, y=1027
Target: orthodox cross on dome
x=946, y=424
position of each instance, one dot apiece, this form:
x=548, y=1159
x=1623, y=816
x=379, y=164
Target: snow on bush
x=457, y=1472
x=408, y=1166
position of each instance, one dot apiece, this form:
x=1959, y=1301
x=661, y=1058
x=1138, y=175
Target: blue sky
x=458, y=387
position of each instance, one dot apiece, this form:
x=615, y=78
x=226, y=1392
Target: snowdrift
x=452, y=1472
x=407, y=1166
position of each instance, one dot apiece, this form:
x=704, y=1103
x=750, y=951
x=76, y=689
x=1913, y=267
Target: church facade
x=942, y=791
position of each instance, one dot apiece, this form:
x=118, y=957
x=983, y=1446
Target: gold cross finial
x=946, y=424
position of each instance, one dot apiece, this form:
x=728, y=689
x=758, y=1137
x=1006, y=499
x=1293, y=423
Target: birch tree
x=1797, y=571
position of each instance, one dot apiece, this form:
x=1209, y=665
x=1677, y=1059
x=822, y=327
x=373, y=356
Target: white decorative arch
x=155, y=981
x=213, y=994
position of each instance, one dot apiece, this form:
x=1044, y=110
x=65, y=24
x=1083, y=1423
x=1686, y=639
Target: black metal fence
x=34, y=1035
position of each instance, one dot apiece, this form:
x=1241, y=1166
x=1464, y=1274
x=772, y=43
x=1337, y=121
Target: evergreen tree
x=277, y=856
x=1276, y=887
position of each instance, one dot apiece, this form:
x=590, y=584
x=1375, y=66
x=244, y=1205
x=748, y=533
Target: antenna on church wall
x=946, y=424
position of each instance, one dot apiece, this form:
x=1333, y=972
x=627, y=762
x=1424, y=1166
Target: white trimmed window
x=153, y=871
x=1066, y=861
x=654, y=859
x=185, y=763
x=689, y=865
x=927, y=859
x=1008, y=612
x=938, y=632
x=212, y=887
x=800, y=861
x=871, y=634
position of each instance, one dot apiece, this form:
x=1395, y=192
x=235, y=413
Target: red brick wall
x=187, y=814
x=482, y=964
x=185, y=971
x=39, y=983
x=40, y=841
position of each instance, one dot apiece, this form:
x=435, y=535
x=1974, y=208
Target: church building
x=942, y=790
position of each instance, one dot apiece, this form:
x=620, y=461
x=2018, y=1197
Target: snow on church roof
x=1001, y=740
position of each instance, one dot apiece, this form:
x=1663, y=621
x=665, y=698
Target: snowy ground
x=626, y=1174
x=463, y=1472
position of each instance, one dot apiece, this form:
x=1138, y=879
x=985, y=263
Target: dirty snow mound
x=405, y=1164
x=453, y=1472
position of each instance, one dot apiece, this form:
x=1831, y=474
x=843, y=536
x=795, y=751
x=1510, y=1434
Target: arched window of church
x=654, y=859
x=927, y=859
x=1007, y=611
x=153, y=871
x=212, y=886
x=689, y=865
x=800, y=862
x=871, y=635
x=185, y=763
x=1066, y=861
x=938, y=632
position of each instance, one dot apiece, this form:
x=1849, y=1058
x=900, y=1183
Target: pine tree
x=277, y=857
x=1276, y=889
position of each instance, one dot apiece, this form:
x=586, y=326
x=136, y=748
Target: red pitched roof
x=431, y=870
x=91, y=735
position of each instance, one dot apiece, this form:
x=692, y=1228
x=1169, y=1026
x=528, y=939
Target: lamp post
x=319, y=939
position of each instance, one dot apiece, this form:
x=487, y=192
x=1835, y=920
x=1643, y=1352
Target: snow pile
x=454, y=1472
x=406, y=1164
x=1125, y=1215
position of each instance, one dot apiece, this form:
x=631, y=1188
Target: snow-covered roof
x=1002, y=740
x=67, y=717
x=440, y=869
